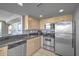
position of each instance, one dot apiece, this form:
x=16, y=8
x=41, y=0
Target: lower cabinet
x=3, y=51
x=33, y=45
x=25, y=48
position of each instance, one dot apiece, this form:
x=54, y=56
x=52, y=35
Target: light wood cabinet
x=55, y=20
x=30, y=22
x=30, y=46
x=33, y=23
x=37, y=43
x=33, y=45
x=3, y=51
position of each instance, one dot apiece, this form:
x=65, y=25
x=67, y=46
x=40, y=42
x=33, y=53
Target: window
x=15, y=28
x=48, y=26
x=10, y=29
x=0, y=27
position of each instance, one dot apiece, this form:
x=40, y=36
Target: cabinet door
x=3, y=51
x=37, y=43
x=33, y=45
x=30, y=46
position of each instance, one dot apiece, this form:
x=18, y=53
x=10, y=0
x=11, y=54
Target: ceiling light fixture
x=20, y=4
x=41, y=15
x=38, y=5
x=61, y=10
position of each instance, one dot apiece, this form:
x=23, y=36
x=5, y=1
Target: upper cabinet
x=31, y=23
x=54, y=20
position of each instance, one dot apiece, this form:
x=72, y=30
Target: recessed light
x=61, y=10
x=41, y=15
x=20, y=4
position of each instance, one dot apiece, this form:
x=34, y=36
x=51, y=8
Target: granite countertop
x=6, y=40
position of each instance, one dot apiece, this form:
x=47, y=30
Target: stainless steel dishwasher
x=17, y=49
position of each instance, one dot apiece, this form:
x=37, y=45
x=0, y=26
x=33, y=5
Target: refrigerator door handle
x=72, y=44
x=72, y=40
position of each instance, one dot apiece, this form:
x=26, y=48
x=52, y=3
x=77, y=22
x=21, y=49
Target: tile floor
x=44, y=52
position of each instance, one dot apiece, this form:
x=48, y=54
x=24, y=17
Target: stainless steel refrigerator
x=64, y=38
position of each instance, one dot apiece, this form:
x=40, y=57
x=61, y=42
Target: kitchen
x=47, y=30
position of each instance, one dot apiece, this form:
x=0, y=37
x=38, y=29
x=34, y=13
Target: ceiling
x=32, y=9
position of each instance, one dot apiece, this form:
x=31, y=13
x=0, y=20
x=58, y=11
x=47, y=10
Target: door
x=63, y=39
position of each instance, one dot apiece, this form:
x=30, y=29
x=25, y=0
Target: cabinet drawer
x=3, y=51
